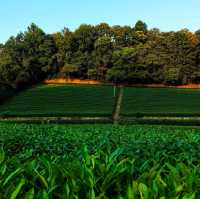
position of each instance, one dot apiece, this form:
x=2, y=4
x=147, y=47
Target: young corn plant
x=105, y=173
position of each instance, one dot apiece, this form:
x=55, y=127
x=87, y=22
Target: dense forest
x=119, y=54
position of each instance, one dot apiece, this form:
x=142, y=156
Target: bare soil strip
x=71, y=81
x=57, y=119
x=81, y=81
x=94, y=120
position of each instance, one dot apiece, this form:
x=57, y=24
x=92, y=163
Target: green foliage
x=103, y=55
x=61, y=100
x=172, y=76
x=27, y=58
x=107, y=172
x=140, y=26
x=69, y=70
x=160, y=101
x=126, y=68
x=23, y=141
x=101, y=52
x=99, y=161
x=119, y=54
x=99, y=100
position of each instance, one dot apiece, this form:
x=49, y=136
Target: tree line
x=119, y=54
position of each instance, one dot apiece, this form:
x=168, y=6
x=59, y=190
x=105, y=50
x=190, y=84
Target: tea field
x=99, y=100
x=160, y=102
x=5, y=93
x=99, y=161
x=52, y=139
x=59, y=100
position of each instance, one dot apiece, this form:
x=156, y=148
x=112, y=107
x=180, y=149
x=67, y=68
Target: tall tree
x=140, y=26
x=103, y=55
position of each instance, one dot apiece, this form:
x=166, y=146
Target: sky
x=54, y=15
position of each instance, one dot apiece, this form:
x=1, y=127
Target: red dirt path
x=80, y=81
x=71, y=81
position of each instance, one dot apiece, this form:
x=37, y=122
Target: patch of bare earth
x=81, y=81
x=71, y=81
x=189, y=86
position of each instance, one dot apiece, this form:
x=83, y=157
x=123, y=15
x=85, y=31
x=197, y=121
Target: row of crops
x=99, y=161
x=160, y=102
x=99, y=100
x=61, y=100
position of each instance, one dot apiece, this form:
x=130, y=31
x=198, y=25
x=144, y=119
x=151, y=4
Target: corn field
x=107, y=173
x=99, y=162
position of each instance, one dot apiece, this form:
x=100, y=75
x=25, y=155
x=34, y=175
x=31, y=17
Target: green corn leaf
x=89, y=176
x=144, y=166
x=3, y=169
x=161, y=180
x=30, y=194
x=17, y=189
x=135, y=187
x=179, y=188
x=189, y=196
x=2, y=154
x=42, y=180
x=52, y=189
x=91, y=194
x=31, y=167
x=143, y=189
x=172, y=169
x=45, y=195
x=49, y=168
x=100, y=196
x=67, y=191
x=130, y=193
x=155, y=188
x=85, y=153
x=12, y=175
x=113, y=156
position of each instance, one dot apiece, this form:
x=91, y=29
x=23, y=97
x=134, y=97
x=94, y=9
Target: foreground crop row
x=22, y=141
x=99, y=161
x=106, y=173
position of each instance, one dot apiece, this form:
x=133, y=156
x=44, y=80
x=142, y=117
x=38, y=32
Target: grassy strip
x=160, y=114
x=30, y=114
x=192, y=121
x=57, y=120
